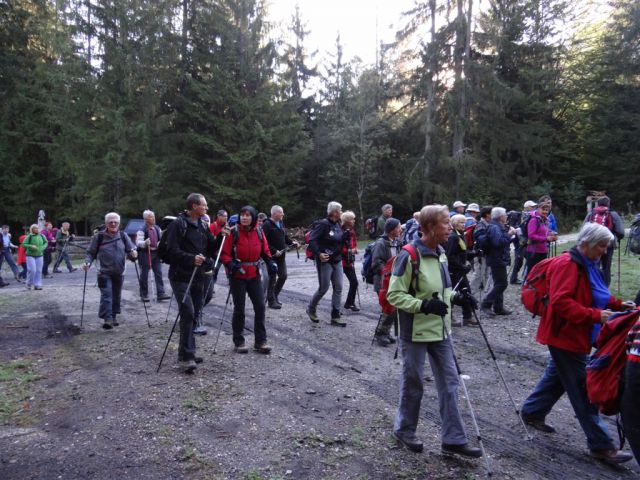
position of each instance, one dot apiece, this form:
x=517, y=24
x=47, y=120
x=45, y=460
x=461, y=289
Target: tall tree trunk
x=427, y=157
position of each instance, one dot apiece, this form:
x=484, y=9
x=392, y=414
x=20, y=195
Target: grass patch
x=16, y=380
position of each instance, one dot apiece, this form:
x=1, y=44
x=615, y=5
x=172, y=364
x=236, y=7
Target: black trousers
x=239, y=290
x=46, y=261
x=629, y=407
x=605, y=264
x=496, y=296
x=533, y=259
x=464, y=283
x=518, y=261
x=350, y=273
x=276, y=281
x=189, y=311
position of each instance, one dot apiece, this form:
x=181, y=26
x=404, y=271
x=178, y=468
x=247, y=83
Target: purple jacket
x=51, y=241
x=537, y=231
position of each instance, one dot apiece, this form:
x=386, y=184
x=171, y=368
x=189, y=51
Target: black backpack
x=162, y=252
x=371, y=226
x=633, y=242
x=367, y=271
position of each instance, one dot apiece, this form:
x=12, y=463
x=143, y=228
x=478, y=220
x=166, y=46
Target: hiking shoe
x=200, y=330
x=469, y=322
x=163, y=296
x=187, y=366
x=312, y=315
x=57, y=270
x=456, y=323
x=463, y=449
x=37, y=288
x=353, y=308
x=515, y=282
x=198, y=359
x=48, y=275
x=391, y=339
x=262, y=348
x=73, y=269
x=18, y=278
x=278, y=301
x=612, y=457
x=242, y=348
x=382, y=339
x=108, y=324
x=28, y=287
x=409, y=441
x=275, y=305
x=338, y=322
x=487, y=311
x=537, y=423
x=503, y=312
x=114, y=322
x=3, y=284
x=145, y=298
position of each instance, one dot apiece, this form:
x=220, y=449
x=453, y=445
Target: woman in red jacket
x=241, y=255
x=579, y=300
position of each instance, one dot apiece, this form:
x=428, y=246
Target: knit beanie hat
x=391, y=224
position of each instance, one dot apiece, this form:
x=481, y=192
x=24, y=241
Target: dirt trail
x=320, y=406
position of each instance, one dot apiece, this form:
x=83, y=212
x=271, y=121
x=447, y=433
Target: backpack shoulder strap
x=415, y=265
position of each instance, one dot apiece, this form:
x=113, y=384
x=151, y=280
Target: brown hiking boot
x=262, y=348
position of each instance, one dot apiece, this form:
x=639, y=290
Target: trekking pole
x=135, y=264
x=169, y=309
x=224, y=311
x=467, y=294
x=618, y=268
x=358, y=295
x=155, y=287
x=377, y=327
x=184, y=298
x=466, y=396
x=84, y=289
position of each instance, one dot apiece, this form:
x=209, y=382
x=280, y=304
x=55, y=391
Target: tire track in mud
x=502, y=434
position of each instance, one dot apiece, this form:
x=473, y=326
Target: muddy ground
x=321, y=406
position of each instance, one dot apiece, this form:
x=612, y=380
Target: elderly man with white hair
x=111, y=247
x=498, y=258
x=147, y=240
x=326, y=246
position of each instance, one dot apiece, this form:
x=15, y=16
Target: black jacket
x=456, y=255
x=186, y=239
x=326, y=237
x=277, y=237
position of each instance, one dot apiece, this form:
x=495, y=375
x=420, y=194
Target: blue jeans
x=189, y=311
x=445, y=375
x=34, y=271
x=156, y=266
x=62, y=255
x=567, y=372
x=239, y=290
x=496, y=296
x=110, y=293
x=5, y=254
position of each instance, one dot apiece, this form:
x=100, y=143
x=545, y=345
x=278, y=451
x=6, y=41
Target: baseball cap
x=530, y=203
x=458, y=203
x=473, y=207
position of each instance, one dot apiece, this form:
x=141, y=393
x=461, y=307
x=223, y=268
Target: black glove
x=273, y=268
x=435, y=306
x=467, y=268
x=464, y=298
x=235, y=266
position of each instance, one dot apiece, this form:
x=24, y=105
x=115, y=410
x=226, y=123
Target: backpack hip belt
x=250, y=264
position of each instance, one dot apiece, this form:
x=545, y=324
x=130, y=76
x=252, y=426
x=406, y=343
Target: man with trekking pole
x=188, y=244
x=111, y=248
x=147, y=240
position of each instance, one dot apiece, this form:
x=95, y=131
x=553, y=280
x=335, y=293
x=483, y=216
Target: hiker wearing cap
x=387, y=212
x=539, y=234
x=385, y=247
x=498, y=258
x=603, y=215
x=325, y=243
x=349, y=252
x=421, y=290
x=279, y=242
x=111, y=248
x=458, y=207
x=473, y=209
x=240, y=256
x=520, y=241
x=189, y=243
x=457, y=259
x=578, y=300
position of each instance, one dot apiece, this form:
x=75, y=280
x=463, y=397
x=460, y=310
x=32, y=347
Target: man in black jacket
x=189, y=243
x=278, y=241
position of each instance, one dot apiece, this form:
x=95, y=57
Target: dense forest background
x=128, y=104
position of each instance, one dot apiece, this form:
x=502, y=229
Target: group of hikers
x=420, y=270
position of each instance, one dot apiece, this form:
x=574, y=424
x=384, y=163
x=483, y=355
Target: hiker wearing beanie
x=603, y=215
x=111, y=248
x=241, y=257
x=386, y=246
x=326, y=245
x=457, y=256
x=349, y=252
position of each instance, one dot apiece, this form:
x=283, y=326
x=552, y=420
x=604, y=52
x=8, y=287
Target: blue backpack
x=367, y=271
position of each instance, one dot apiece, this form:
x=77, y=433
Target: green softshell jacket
x=406, y=294
x=34, y=245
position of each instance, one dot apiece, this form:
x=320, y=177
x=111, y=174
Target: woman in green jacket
x=34, y=245
x=421, y=290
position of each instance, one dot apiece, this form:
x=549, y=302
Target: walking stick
x=224, y=311
x=84, y=289
x=358, y=295
x=618, y=268
x=465, y=292
x=169, y=309
x=135, y=264
x=184, y=298
x=155, y=287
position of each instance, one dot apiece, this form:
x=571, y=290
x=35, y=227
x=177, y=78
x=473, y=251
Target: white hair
x=333, y=206
x=148, y=213
x=458, y=218
x=497, y=212
x=112, y=215
x=276, y=209
x=592, y=234
x=35, y=225
x=348, y=216
x=386, y=206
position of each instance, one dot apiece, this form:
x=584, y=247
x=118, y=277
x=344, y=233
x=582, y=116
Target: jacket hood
x=577, y=257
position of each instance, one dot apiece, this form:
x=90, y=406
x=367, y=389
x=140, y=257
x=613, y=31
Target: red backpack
x=606, y=365
x=468, y=235
x=601, y=216
x=535, y=289
x=387, y=308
